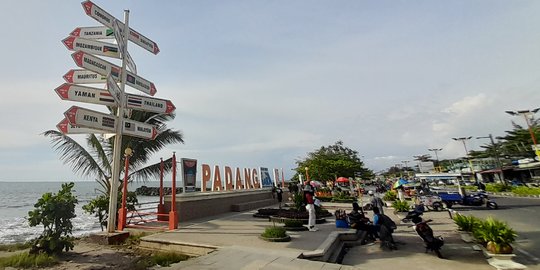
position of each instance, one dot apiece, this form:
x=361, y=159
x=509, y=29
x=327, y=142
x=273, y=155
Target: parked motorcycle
x=473, y=199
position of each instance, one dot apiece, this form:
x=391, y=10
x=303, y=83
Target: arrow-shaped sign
x=97, y=120
x=94, y=32
x=79, y=93
x=107, y=19
x=91, y=46
x=114, y=90
x=83, y=76
x=66, y=128
x=103, y=67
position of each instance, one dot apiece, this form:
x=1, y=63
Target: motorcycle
x=473, y=199
x=422, y=228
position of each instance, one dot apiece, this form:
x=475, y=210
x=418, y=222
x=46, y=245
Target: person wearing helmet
x=376, y=201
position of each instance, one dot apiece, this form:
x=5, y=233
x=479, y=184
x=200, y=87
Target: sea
x=18, y=198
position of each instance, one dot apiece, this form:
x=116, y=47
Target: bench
x=331, y=249
x=239, y=207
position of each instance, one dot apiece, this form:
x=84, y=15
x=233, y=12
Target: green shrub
x=495, y=232
x=54, y=212
x=167, y=258
x=522, y=190
x=26, y=260
x=274, y=232
x=466, y=223
x=293, y=223
x=390, y=196
x=498, y=187
x=99, y=206
x=470, y=188
x=401, y=206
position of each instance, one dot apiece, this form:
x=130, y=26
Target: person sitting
x=386, y=227
x=357, y=220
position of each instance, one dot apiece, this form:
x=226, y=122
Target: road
x=523, y=215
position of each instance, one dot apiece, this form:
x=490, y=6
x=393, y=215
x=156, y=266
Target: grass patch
x=274, y=232
x=526, y=190
x=135, y=239
x=25, y=260
x=163, y=259
x=16, y=246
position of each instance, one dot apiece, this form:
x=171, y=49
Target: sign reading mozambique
x=92, y=46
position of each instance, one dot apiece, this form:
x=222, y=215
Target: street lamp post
x=498, y=160
x=528, y=114
x=437, y=156
x=406, y=167
x=463, y=139
x=307, y=174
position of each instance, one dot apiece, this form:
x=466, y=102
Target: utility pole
x=497, y=158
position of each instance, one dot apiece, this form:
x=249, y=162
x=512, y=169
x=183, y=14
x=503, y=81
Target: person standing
x=279, y=195
x=376, y=201
x=309, y=199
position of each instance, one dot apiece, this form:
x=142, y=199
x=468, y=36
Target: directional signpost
x=95, y=32
x=85, y=41
x=83, y=76
x=91, y=46
x=97, y=120
x=107, y=19
x=103, y=67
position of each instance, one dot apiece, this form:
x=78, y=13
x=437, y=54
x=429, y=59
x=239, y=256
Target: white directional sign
x=114, y=90
x=122, y=46
x=97, y=120
x=80, y=93
x=83, y=76
x=107, y=19
x=85, y=94
x=94, y=32
x=103, y=67
x=66, y=128
x=91, y=46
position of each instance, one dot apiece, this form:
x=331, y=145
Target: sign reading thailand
x=83, y=76
x=94, y=32
x=97, y=120
x=66, y=128
x=103, y=67
x=91, y=46
x=149, y=104
x=107, y=19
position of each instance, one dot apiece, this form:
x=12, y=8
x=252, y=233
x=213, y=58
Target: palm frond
x=97, y=147
x=151, y=171
x=72, y=153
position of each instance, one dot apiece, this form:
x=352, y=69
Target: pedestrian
x=376, y=201
x=357, y=220
x=309, y=200
x=279, y=195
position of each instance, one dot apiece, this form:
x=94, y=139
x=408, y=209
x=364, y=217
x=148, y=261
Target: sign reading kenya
x=66, y=128
x=97, y=120
x=98, y=65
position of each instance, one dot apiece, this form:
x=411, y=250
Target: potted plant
x=389, y=197
x=401, y=206
x=495, y=235
x=275, y=234
x=294, y=225
x=466, y=224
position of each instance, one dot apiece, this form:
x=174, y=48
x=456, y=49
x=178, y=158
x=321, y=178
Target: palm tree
x=96, y=160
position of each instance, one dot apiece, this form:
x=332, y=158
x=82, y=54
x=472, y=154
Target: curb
x=510, y=194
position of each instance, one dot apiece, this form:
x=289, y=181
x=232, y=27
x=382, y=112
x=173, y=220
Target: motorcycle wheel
x=492, y=205
x=437, y=206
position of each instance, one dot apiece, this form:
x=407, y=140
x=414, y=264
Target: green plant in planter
x=390, y=196
x=495, y=235
x=401, y=206
x=466, y=223
x=274, y=232
x=294, y=223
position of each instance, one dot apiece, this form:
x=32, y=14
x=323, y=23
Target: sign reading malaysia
x=91, y=46
x=97, y=120
x=107, y=19
x=83, y=76
x=94, y=32
x=103, y=67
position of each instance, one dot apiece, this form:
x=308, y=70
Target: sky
x=262, y=83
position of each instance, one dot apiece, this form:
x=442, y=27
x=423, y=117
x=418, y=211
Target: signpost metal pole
x=111, y=222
